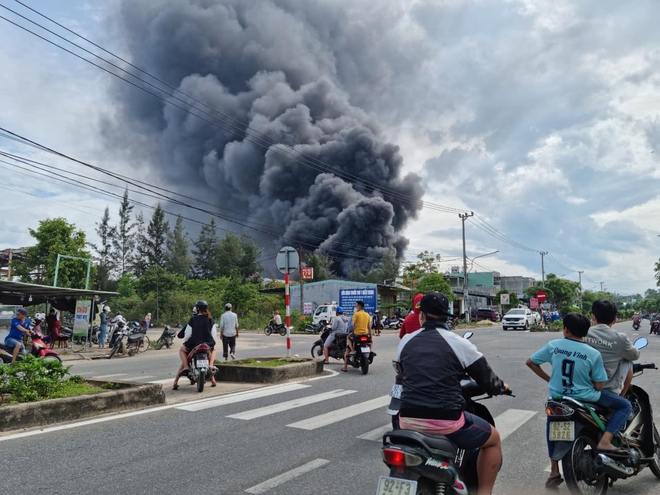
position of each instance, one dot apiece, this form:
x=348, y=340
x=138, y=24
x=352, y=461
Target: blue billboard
x=348, y=298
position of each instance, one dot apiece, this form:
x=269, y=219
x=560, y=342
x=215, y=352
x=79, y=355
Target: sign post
x=533, y=303
x=504, y=299
x=287, y=262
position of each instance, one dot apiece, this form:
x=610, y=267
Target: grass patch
x=73, y=390
x=271, y=363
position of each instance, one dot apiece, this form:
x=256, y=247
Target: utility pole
x=543, y=253
x=580, y=272
x=464, y=217
x=601, y=286
x=9, y=274
x=300, y=260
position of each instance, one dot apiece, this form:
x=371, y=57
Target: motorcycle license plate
x=562, y=431
x=203, y=363
x=396, y=391
x=365, y=349
x=395, y=486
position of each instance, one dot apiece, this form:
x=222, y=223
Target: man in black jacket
x=433, y=362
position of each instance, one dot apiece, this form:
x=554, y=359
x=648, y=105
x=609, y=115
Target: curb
x=254, y=374
x=131, y=395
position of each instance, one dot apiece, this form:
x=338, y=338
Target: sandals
x=552, y=483
x=175, y=387
x=344, y=370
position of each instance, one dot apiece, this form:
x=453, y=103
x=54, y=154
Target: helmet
x=228, y=306
x=118, y=313
x=202, y=305
x=339, y=310
x=106, y=309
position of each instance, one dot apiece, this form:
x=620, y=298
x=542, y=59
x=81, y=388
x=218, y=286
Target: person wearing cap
x=411, y=321
x=360, y=325
x=229, y=331
x=19, y=327
x=433, y=362
x=339, y=326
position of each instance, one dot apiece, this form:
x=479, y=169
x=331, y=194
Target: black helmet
x=435, y=303
x=202, y=305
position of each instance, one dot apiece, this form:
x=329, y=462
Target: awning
x=20, y=293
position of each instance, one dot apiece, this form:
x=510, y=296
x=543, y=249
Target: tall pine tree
x=140, y=258
x=177, y=257
x=205, y=265
x=123, y=242
x=156, y=238
x=106, y=234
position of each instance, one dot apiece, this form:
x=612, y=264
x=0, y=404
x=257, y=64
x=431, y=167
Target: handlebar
x=640, y=367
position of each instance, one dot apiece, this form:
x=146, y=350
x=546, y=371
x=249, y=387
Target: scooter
x=636, y=322
x=575, y=428
x=428, y=465
x=136, y=341
x=166, y=338
x=39, y=348
x=199, y=366
x=273, y=328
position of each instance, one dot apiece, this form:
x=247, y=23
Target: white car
x=522, y=318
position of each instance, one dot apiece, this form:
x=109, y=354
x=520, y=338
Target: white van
x=324, y=312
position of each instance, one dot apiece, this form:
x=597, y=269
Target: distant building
x=517, y=284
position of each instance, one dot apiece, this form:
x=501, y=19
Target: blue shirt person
x=578, y=372
x=19, y=325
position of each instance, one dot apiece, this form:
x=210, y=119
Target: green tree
x=387, y=269
x=155, y=239
x=177, y=258
x=123, y=242
x=156, y=281
x=236, y=257
x=140, y=257
x=55, y=236
x=514, y=301
x=435, y=282
x=564, y=292
x=103, y=250
x=205, y=265
x=322, y=265
x=428, y=264
x=241, y=296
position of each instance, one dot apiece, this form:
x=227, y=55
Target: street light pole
x=543, y=253
x=464, y=217
x=580, y=272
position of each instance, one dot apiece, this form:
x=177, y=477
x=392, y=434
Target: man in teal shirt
x=578, y=372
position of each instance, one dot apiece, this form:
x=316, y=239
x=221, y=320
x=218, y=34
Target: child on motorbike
x=578, y=373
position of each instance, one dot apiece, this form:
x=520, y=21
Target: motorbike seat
x=136, y=336
x=437, y=445
x=602, y=411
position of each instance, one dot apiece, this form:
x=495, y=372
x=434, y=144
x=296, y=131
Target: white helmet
x=106, y=309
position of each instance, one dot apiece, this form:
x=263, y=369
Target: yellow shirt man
x=361, y=322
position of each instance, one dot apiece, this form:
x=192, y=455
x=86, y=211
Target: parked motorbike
x=130, y=341
x=199, y=365
x=576, y=427
x=428, y=465
x=166, y=338
x=392, y=322
x=273, y=328
x=318, y=328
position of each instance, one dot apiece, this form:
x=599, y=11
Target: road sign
x=307, y=273
x=533, y=303
x=287, y=260
x=504, y=299
x=541, y=296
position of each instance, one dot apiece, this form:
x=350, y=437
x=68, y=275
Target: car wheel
x=505, y=328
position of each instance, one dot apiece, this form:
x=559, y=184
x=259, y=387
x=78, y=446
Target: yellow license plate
x=562, y=431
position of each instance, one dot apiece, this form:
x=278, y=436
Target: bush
x=569, y=309
x=31, y=379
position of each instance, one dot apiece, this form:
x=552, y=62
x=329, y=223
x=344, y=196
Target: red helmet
x=277, y=312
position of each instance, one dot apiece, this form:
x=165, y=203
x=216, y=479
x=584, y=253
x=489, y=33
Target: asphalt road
x=320, y=436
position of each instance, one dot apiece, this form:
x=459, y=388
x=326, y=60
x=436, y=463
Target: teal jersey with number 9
x=575, y=365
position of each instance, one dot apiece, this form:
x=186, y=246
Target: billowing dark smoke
x=289, y=69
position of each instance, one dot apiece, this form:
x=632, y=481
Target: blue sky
x=541, y=116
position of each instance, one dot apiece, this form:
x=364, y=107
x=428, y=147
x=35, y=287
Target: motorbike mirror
x=468, y=335
x=641, y=343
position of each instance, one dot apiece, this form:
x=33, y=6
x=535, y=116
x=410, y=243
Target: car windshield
x=321, y=309
x=516, y=312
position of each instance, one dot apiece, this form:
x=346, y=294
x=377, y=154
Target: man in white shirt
x=229, y=331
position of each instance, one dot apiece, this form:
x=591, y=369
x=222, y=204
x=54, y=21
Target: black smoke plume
x=290, y=69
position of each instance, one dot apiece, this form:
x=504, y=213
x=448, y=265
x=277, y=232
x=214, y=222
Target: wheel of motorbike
x=310, y=329
x=159, y=344
x=52, y=357
x=365, y=366
x=655, y=465
x=283, y=331
x=317, y=350
x=114, y=350
x=426, y=487
x=144, y=345
x=200, y=381
x=268, y=330
x=526, y=325
x=579, y=470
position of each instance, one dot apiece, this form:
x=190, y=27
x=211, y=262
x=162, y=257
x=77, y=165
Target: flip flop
x=175, y=387
x=344, y=370
x=326, y=362
x=553, y=483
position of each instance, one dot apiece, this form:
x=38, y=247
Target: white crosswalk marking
x=376, y=435
x=291, y=404
x=240, y=397
x=341, y=414
x=512, y=419
x=288, y=476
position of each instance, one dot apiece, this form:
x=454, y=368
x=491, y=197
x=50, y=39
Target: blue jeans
x=621, y=408
x=103, y=332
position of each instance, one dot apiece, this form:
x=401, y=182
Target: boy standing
x=578, y=372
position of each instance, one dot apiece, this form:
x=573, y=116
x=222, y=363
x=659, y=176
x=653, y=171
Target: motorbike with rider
x=201, y=329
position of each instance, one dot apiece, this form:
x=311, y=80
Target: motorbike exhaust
x=612, y=468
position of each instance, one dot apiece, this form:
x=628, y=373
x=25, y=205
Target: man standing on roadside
x=229, y=331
